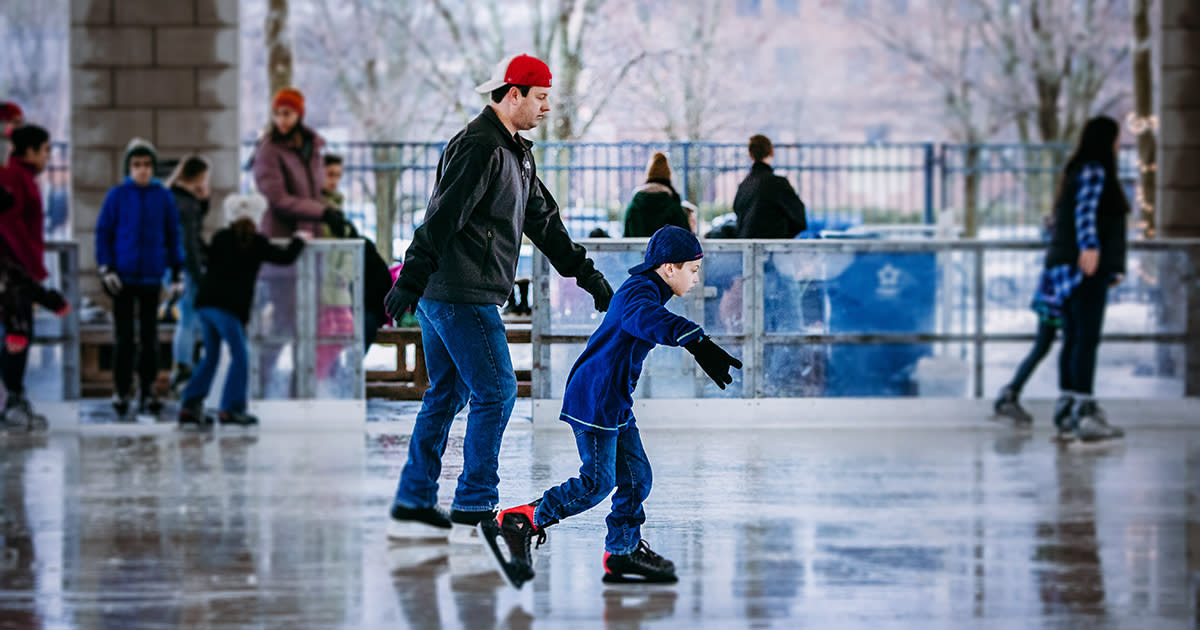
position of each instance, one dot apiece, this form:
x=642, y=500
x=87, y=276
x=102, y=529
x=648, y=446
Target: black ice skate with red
x=643, y=566
x=508, y=538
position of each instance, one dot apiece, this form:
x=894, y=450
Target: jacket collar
x=14, y=162
x=761, y=167
x=515, y=141
x=664, y=289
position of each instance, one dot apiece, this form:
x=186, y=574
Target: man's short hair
x=333, y=158
x=499, y=93
x=760, y=147
x=28, y=137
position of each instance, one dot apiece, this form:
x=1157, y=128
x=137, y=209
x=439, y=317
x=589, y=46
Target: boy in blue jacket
x=137, y=240
x=598, y=404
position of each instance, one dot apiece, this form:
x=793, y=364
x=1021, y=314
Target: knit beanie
x=291, y=98
x=670, y=244
x=139, y=147
x=658, y=168
x=250, y=206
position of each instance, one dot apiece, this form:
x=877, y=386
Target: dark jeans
x=610, y=460
x=140, y=302
x=219, y=325
x=466, y=354
x=13, y=364
x=1041, y=347
x=1083, y=320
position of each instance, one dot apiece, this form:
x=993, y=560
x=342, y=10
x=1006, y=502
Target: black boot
x=1008, y=406
x=641, y=566
x=239, y=418
x=192, y=416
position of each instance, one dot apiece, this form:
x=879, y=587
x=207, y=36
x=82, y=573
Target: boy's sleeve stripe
x=688, y=334
x=594, y=426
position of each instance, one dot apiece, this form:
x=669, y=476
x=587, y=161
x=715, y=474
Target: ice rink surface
x=132, y=528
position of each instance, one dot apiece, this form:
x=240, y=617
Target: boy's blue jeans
x=184, y=343
x=610, y=460
x=466, y=355
x=217, y=324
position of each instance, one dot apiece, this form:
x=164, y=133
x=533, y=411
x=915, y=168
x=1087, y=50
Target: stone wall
x=1179, y=120
x=164, y=71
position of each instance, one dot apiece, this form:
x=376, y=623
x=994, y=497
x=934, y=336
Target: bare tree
x=279, y=46
x=1037, y=66
x=33, y=44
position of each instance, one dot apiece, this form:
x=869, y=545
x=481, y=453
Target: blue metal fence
x=1010, y=185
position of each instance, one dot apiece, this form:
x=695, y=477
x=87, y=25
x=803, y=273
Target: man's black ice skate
x=465, y=526
x=508, y=538
x=427, y=523
x=180, y=378
x=643, y=566
x=1007, y=406
x=1064, y=419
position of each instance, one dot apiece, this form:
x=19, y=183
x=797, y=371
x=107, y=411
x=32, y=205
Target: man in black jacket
x=461, y=266
x=766, y=205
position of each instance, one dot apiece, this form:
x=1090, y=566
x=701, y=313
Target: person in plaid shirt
x=1085, y=257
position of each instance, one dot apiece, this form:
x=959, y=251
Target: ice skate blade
x=461, y=534
x=512, y=573
x=613, y=579
x=415, y=530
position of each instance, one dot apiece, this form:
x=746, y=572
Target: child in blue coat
x=137, y=240
x=598, y=404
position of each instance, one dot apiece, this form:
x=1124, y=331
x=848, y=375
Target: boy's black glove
x=399, y=301
x=713, y=360
x=601, y=291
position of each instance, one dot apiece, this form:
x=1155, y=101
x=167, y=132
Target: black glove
x=601, y=291
x=399, y=301
x=336, y=221
x=54, y=301
x=713, y=360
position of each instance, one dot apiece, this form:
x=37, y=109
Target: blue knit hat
x=670, y=244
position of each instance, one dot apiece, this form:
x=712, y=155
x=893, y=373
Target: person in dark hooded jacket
x=766, y=205
x=189, y=185
x=137, y=240
x=655, y=203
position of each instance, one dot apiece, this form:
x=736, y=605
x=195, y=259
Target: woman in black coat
x=1085, y=257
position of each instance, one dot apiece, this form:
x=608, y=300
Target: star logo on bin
x=889, y=281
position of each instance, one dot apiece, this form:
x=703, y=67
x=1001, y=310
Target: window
x=749, y=7
x=787, y=7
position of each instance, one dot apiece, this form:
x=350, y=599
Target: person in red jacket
x=22, y=269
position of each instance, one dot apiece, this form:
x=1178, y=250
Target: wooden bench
x=405, y=384
x=96, y=359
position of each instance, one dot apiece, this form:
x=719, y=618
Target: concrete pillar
x=1179, y=120
x=164, y=71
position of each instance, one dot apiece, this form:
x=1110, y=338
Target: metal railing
x=53, y=368
x=1011, y=186
x=306, y=327
x=881, y=318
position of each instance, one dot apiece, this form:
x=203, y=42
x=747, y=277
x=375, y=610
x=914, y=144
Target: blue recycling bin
x=879, y=293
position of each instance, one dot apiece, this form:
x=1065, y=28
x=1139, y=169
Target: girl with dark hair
x=223, y=308
x=1085, y=257
x=189, y=185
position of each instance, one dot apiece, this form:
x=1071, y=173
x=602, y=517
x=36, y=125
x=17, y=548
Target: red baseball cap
x=517, y=70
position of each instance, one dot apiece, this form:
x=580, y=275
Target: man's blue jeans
x=184, y=343
x=466, y=355
x=217, y=324
x=610, y=460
